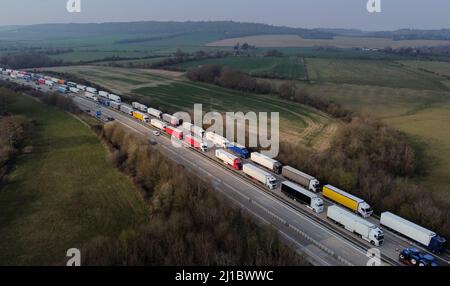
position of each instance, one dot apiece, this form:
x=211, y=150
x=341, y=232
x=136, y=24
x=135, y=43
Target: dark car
x=414, y=257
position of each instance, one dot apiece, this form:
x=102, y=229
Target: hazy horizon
x=401, y=14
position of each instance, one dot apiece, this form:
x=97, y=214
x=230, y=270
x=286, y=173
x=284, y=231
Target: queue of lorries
x=349, y=211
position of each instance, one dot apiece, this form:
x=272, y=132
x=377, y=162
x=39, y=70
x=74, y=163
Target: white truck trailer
x=139, y=106
x=114, y=105
x=125, y=108
x=114, y=98
x=260, y=175
x=175, y=121
x=48, y=83
x=191, y=128
x=158, y=124
x=229, y=159
x=353, y=223
x=74, y=90
x=301, y=178
x=217, y=139
x=91, y=96
x=91, y=90
x=81, y=87
x=301, y=195
x=266, y=162
x=103, y=93
x=155, y=112
x=419, y=234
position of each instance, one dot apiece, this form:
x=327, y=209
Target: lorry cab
x=272, y=183
x=437, y=244
x=317, y=205
x=314, y=186
x=365, y=210
x=204, y=148
x=237, y=164
x=377, y=237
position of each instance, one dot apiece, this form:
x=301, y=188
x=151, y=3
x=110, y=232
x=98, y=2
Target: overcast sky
x=424, y=14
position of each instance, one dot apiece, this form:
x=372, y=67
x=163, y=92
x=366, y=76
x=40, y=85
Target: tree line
x=28, y=60
x=229, y=78
x=182, y=57
x=14, y=135
x=189, y=224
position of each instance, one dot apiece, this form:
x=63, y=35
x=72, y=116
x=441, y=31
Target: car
x=156, y=133
x=414, y=257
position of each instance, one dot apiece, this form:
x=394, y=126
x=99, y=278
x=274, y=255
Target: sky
x=395, y=14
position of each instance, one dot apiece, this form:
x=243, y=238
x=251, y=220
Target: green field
x=441, y=68
x=131, y=63
x=371, y=72
x=420, y=111
x=286, y=67
x=64, y=193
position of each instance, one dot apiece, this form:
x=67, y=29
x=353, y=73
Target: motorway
x=312, y=234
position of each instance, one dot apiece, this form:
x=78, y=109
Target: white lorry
x=139, y=106
x=426, y=237
x=266, y=161
x=74, y=89
x=229, y=159
x=91, y=90
x=158, y=124
x=115, y=98
x=191, y=128
x=260, y=175
x=103, y=93
x=114, y=105
x=81, y=87
x=155, y=112
x=175, y=121
x=217, y=139
x=353, y=223
x=301, y=178
x=48, y=83
x=125, y=108
x=91, y=96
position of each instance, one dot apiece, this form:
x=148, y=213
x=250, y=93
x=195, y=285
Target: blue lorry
x=240, y=150
x=62, y=89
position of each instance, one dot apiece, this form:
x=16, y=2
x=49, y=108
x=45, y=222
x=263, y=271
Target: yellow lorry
x=347, y=200
x=141, y=116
